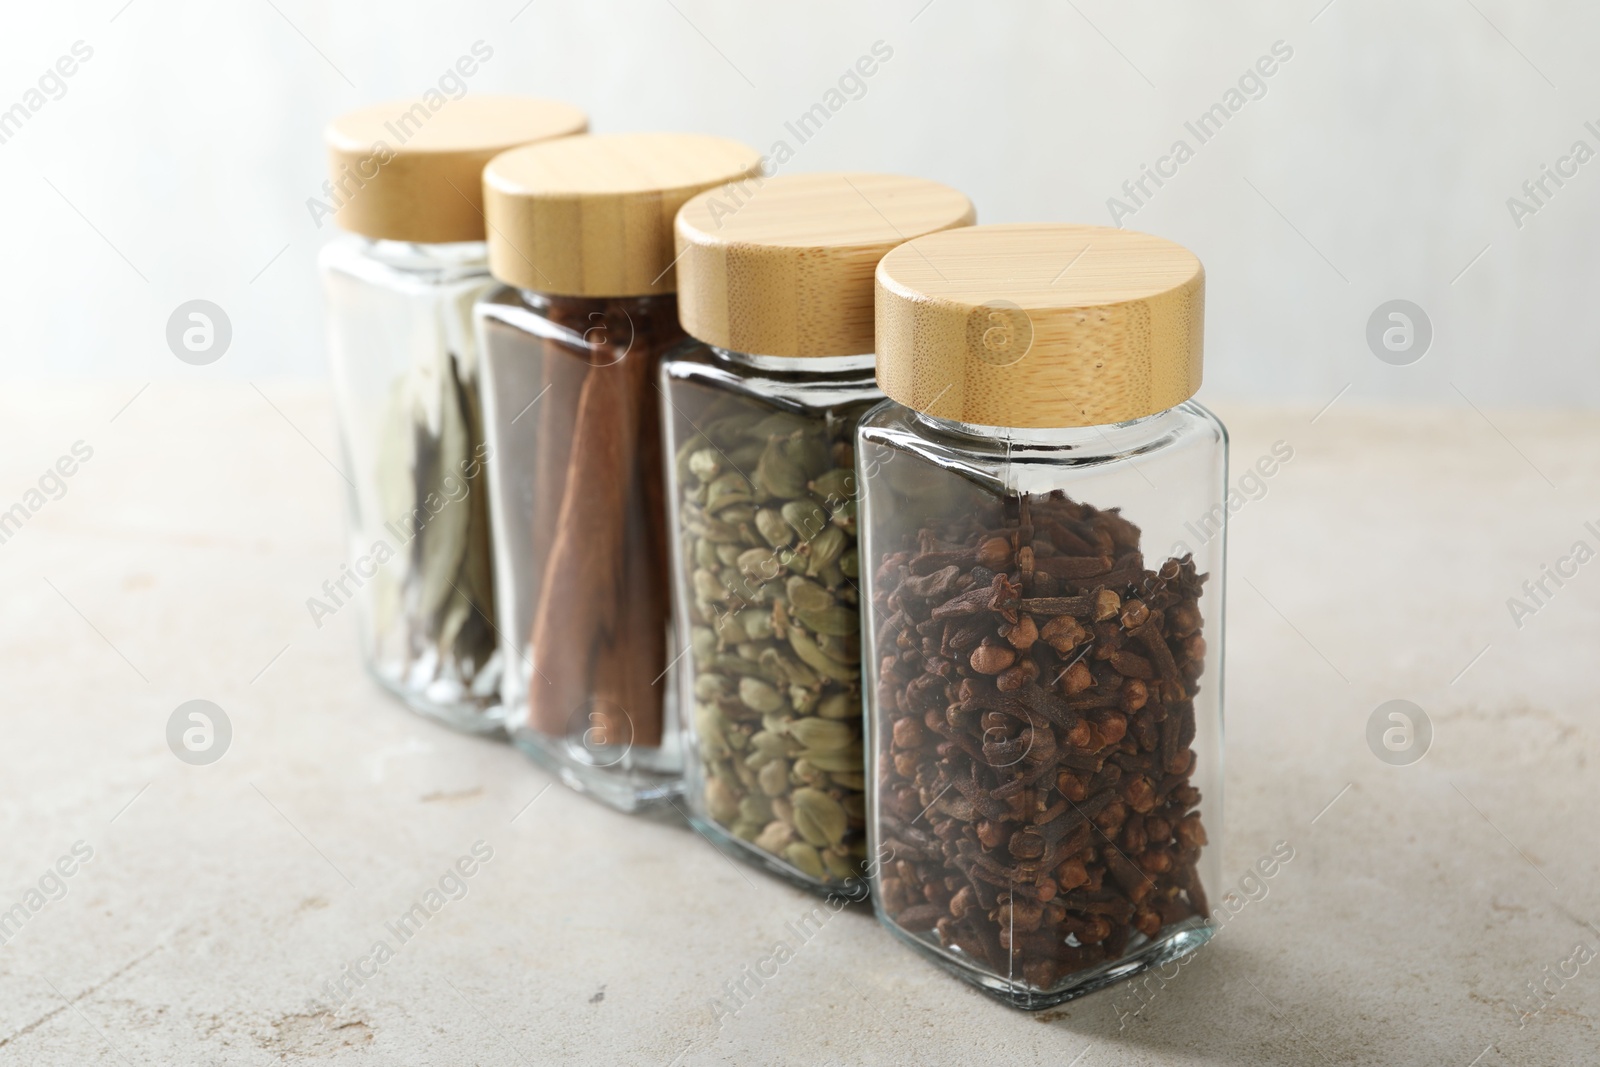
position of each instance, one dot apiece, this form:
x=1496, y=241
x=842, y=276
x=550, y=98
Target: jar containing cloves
x=761, y=407
x=581, y=236
x=1043, y=571
x=405, y=182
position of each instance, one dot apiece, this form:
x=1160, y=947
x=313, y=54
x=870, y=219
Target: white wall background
x=1376, y=166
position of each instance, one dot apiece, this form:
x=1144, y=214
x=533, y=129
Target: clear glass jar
x=1044, y=614
x=580, y=232
x=571, y=406
x=766, y=576
x=1045, y=650
x=405, y=374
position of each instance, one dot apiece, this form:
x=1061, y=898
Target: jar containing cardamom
x=581, y=236
x=405, y=182
x=1043, y=573
x=760, y=407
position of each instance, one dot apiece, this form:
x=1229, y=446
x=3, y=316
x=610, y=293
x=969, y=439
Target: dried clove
x=1049, y=735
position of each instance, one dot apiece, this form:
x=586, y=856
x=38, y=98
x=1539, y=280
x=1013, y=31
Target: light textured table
x=1421, y=904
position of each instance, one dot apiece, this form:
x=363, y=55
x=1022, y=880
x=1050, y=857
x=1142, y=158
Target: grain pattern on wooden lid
x=592, y=216
x=408, y=171
x=783, y=266
x=1040, y=325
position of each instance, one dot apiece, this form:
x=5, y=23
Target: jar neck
x=1115, y=435
x=824, y=366
x=543, y=303
x=420, y=256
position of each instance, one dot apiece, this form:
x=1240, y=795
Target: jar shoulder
x=404, y=268
x=810, y=385
x=1189, y=427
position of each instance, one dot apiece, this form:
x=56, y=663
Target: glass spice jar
x=775, y=288
x=1044, y=639
x=405, y=180
x=581, y=235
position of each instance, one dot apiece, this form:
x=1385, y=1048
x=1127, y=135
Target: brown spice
x=1039, y=782
x=599, y=548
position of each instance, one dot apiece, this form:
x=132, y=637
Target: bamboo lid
x=592, y=216
x=1040, y=325
x=783, y=266
x=402, y=171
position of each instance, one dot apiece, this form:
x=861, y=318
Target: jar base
x=635, y=791
x=483, y=716
x=856, y=889
x=1177, y=940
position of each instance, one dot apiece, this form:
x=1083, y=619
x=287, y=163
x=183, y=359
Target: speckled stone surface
x=1421, y=907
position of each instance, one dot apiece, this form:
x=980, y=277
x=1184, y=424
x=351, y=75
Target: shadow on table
x=1218, y=1007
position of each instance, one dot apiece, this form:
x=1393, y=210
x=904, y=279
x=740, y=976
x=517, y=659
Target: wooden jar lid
x=783, y=266
x=592, y=216
x=1033, y=326
x=403, y=171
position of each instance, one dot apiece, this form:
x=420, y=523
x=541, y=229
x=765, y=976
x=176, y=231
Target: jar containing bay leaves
x=581, y=235
x=405, y=181
x=761, y=408
x=1044, y=585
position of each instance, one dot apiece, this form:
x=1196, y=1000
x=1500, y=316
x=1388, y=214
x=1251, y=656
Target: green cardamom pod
x=722, y=804
x=759, y=564
x=770, y=743
x=826, y=548
x=812, y=656
x=777, y=475
x=681, y=460
x=807, y=451
x=839, y=706
x=777, y=424
x=709, y=686
x=705, y=464
x=774, y=778
x=805, y=595
x=722, y=533
x=776, y=836
x=769, y=522
x=822, y=735
x=758, y=624
x=834, y=487
x=844, y=516
x=838, y=866
x=779, y=667
x=729, y=630
x=760, y=696
x=727, y=489
x=818, y=818
x=705, y=552
x=756, y=809
x=803, y=698
x=806, y=858
x=848, y=760
x=838, y=621
x=846, y=648
x=806, y=516
x=706, y=586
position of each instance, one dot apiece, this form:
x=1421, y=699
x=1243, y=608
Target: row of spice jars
x=666, y=407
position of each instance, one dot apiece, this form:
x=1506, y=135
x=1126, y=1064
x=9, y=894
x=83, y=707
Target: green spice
x=768, y=545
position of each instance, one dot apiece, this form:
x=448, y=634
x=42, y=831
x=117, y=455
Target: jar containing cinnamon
x=1043, y=607
x=761, y=408
x=405, y=178
x=581, y=236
